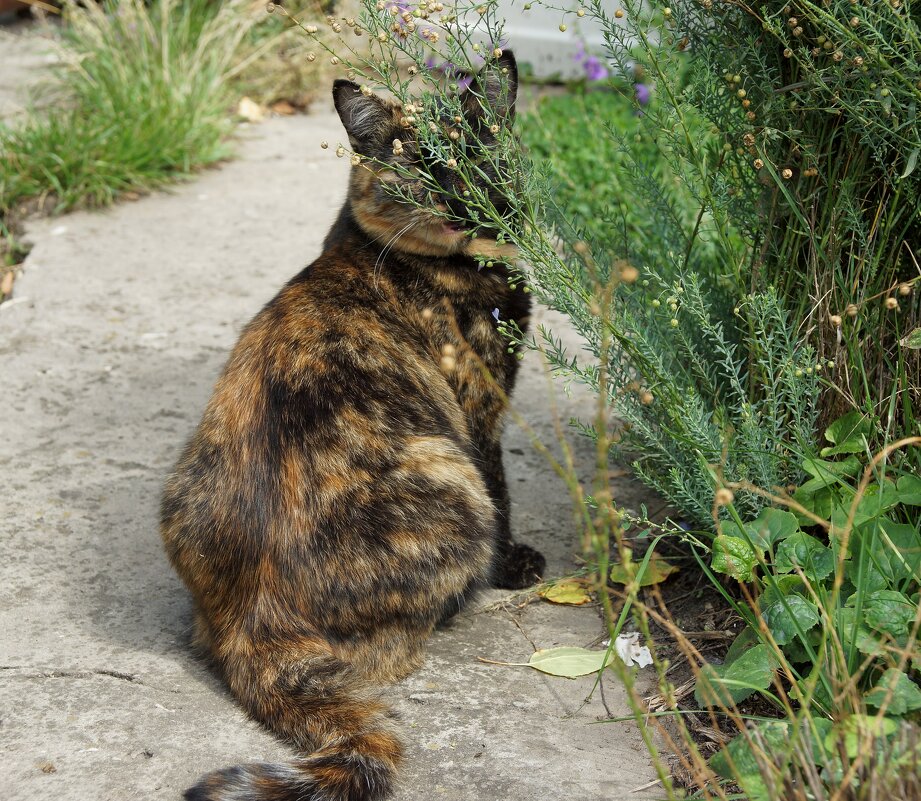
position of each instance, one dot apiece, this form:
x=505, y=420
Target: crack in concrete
x=31, y=673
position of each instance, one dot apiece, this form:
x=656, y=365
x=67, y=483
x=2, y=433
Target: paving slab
x=27, y=54
x=117, y=330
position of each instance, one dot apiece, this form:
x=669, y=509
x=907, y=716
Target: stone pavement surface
x=26, y=55
x=117, y=331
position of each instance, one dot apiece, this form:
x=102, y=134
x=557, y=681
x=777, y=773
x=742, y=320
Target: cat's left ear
x=494, y=89
x=365, y=117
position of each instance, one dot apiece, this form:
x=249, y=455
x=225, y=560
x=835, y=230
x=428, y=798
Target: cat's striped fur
x=344, y=491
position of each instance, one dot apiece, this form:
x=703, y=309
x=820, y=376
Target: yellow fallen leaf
x=655, y=573
x=250, y=110
x=284, y=108
x=6, y=285
x=570, y=591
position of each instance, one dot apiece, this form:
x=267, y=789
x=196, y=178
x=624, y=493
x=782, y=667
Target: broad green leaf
x=854, y=634
x=778, y=587
x=818, y=500
x=745, y=640
x=848, y=434
x=734, y=557
x=855, y=730
x=829, y=473
x=889, y=611
x=657, y=570
x=796, y=651
x=806, y=553
x=770, y=526
x=722, y=685
x=568, y=661
x=903, y=694
x=912, y=339
x=789, y=616
x=738, y=761
x=905, y=562
x=876, y=500
x=909, y=487
x=570, y=591
x=867, y=576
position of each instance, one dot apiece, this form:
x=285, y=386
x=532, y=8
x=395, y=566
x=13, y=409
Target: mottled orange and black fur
x=344, y=492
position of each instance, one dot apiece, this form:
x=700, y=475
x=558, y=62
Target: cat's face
x=436, y=224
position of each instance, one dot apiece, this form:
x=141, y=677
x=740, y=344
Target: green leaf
x=723, y=685
x=739, y=759
x=806, y=553
x=746, y=639
x=889, y=611
x=854, y=634
x=657, y=570
x=770, y=526
x=905, y=561
x=848, y=434
x=909, y=488
x=734, y=557
x=869, y=580
x=910, y=163
x=790, y=616
x=912, y=340
x=818, y=500
x=829, y=474
x=903, y=694
x=854, y=731
x=877, y=499
x=567, y=661
x=778, y=587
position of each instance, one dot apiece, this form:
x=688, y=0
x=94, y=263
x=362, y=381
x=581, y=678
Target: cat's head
x=436, y=224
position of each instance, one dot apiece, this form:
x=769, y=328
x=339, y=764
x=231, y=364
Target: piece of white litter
x=58, y=230
x=630, y=651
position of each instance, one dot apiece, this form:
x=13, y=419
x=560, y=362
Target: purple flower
x=495, y=314
x=643, y=93
x=594, y=67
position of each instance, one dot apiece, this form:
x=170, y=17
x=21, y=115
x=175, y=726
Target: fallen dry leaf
x=6, y=285
x=250, y=110
x=570, y=591
x=656, y=572
x=284, y=108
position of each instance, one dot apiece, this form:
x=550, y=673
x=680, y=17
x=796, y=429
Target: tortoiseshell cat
x=344, y=492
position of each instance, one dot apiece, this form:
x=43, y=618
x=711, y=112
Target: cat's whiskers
x=390, y=243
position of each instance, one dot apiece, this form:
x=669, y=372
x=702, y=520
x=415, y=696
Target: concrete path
x=109, y=349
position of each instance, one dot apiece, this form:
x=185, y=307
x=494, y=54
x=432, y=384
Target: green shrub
x=698, y=279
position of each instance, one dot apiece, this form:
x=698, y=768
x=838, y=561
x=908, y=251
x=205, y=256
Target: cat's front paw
x=518, y=566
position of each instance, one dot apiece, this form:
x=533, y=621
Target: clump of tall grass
x=143, y=97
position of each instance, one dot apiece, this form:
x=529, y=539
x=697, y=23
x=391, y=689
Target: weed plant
x=143, y=98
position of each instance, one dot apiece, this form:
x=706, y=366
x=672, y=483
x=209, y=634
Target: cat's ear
x=494, y=89
x=365, y=117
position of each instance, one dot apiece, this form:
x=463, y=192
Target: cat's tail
x=349, y=750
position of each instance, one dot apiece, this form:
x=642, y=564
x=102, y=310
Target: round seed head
x=724, y=496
